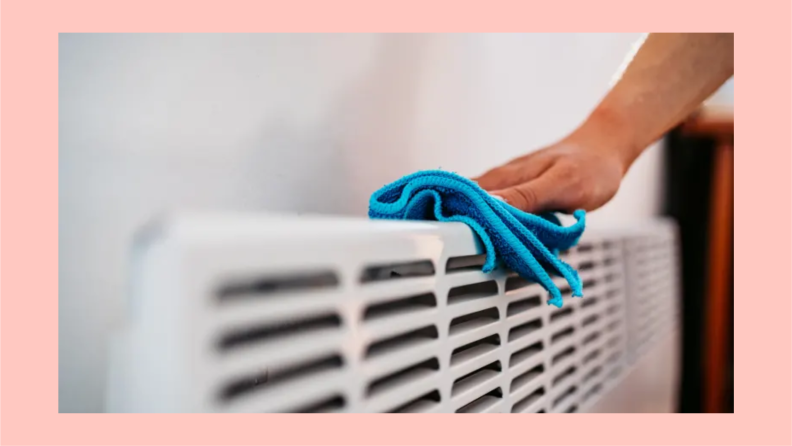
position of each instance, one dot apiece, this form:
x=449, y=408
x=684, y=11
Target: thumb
x=534, y=196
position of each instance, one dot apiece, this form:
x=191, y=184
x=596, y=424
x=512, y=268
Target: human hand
x=564, y=177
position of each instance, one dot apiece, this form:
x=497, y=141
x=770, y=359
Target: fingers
x=545, y=193
x=498, y=178
x=514, y=173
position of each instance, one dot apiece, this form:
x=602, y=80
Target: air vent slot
x=402, y=341
x=585, y=247
x=591, y=356
x=391, y=271
x=595, y=389
x=561, y=335
x=572, y=409
x=589, y=301
x=483, y=402
x=564, y=354
x=475, y=378
x=569, y=393
x=400, y=306
x=473, y=291
x=421, y=404
x=516, y=282
x=585, y=266
x=525, y=329
x=286, y=283
x=590, y=320
x=332, y=404
x=279, y=330
x=278, y=376
x=593, y=373
x=475, y=349
x=523, y=305
x=526, y=378
x=466, y=263
x=472, y=321
x=525, y=353
x=560, y=314
x=404, y=376
x=528, y=401
x=561, y=377
x=590, y=283
x=591, y=338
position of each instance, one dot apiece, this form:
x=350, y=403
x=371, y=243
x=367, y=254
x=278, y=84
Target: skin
x=670, y=76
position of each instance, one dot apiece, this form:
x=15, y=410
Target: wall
x=297, y=123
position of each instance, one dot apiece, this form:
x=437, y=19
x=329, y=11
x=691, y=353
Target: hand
x=564, y=177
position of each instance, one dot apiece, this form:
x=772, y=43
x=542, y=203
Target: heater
x=263, y=313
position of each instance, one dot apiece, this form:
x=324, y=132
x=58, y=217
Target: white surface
x=296, y=123
x=168, y=357
x=645, y=387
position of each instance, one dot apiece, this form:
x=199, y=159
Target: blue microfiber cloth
x=526, y=243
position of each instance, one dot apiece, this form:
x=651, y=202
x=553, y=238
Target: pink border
x=30, y=219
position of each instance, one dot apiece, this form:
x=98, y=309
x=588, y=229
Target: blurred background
x=314, y=123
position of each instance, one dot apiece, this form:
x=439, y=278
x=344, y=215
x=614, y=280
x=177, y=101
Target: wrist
x=609, y=134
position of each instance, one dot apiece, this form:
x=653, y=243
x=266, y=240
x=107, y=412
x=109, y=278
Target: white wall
x=291, y=123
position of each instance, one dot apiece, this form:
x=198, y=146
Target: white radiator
x=246, y=313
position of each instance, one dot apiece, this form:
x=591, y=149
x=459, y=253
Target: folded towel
x=528, y=244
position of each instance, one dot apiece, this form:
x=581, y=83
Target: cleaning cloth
x=526, y=243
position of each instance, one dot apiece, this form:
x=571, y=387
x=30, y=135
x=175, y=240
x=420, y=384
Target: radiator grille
x=402, y=320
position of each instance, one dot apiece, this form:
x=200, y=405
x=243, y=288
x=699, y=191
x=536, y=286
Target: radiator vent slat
x=402, y=341
x=266, y=286
x=277, y=331
x=400, y=306
x=562, y=334
x=465, y=263
x=403, y=377
x=525, y=329
x=523, y=305
x=421, y=404
x=476, y=377
x=391, y=271
x=528, y=401
x=526, y=378
x=482, y=403
x=516, y=282
x=472, y=321
x=526, y=353
x=267, y=378
x=332, y=404
x=474, y=349
x=473, y=291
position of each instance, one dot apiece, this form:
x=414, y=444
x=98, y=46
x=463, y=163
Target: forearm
x=669, y=77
